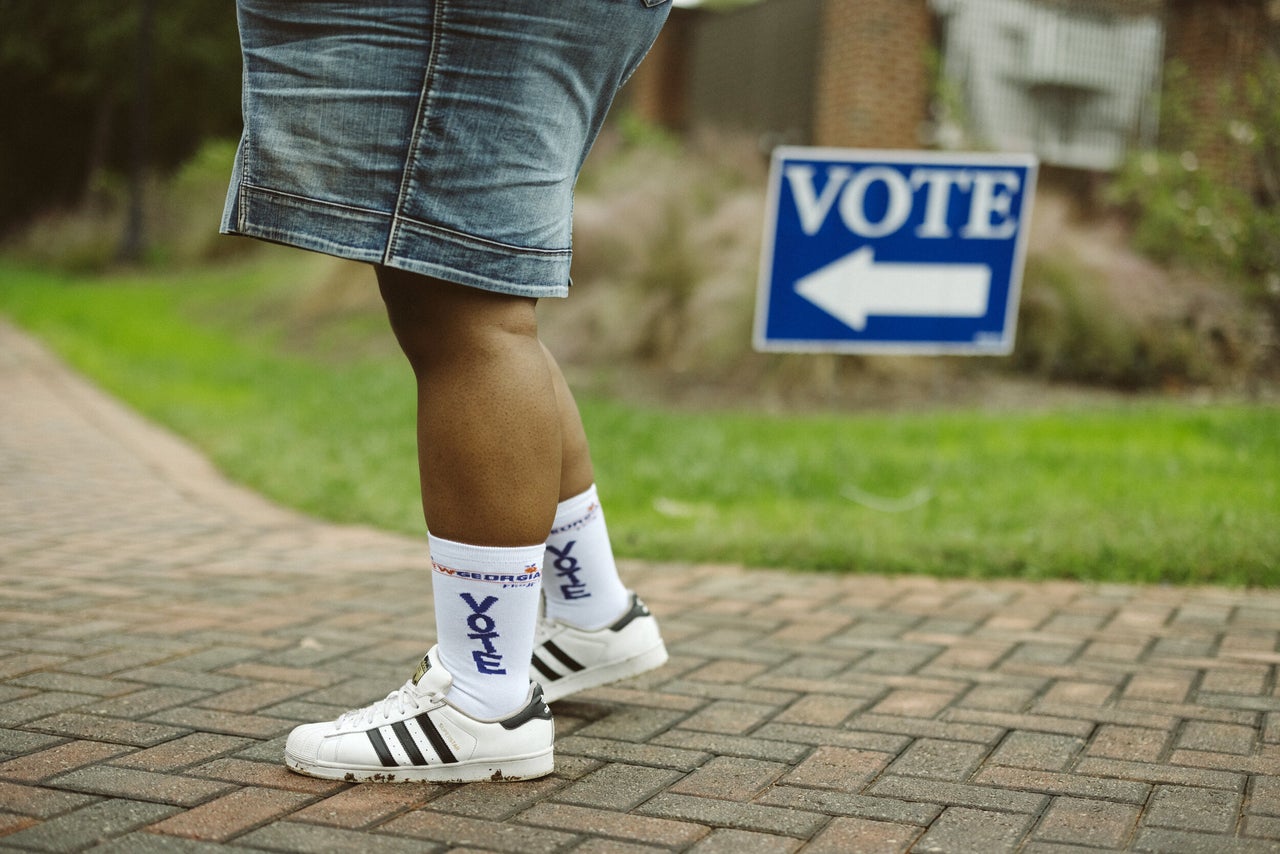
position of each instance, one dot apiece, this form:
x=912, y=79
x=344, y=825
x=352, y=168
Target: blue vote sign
x=893, y=251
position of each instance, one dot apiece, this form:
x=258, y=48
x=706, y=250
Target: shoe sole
x=604, y=674
x=493, y=770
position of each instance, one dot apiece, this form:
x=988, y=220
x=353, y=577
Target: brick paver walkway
x=161, y=631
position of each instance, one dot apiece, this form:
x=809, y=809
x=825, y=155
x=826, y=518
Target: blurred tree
x=134, y=243
x=68, y=82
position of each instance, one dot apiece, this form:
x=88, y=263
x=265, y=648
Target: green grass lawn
x=1152, y=491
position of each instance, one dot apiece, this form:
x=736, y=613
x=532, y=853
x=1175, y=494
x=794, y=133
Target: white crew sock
x=582, y=586
x=486, y=604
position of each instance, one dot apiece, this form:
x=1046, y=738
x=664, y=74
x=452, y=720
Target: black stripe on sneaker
x=406, y=741
x=536, y=708
x=638, y=609
x=562, y=656
x=437, y=740
x=384, y=754
x=549, y=674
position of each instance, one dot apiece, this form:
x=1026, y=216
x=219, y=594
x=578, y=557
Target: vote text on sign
x=885, y=251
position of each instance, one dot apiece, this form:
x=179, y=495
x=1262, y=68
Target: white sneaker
x=415, y=734
x=568, y=659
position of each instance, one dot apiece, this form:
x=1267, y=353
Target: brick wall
x=871, y=80
x=1218, y=41
x=658, y=90
x=872, y=83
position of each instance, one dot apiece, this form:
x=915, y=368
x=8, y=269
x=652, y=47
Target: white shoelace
x=399, y=702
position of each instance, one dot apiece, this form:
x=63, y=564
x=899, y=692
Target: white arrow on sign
x=855, y=287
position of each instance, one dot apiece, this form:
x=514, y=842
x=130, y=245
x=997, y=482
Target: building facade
x=1075, y=81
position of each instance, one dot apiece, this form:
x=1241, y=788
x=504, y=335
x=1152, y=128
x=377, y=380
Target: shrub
x=666, y=239
x=181, y=216
x=1222, y=217
x=1070, y=329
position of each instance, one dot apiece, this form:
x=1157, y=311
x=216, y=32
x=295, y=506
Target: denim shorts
x=441, y=137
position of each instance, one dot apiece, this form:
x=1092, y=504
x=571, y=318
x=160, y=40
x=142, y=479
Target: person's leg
x=577, y=473
x=580, y=584
x=594, y=631
x=489, y=451
x=488, y=423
